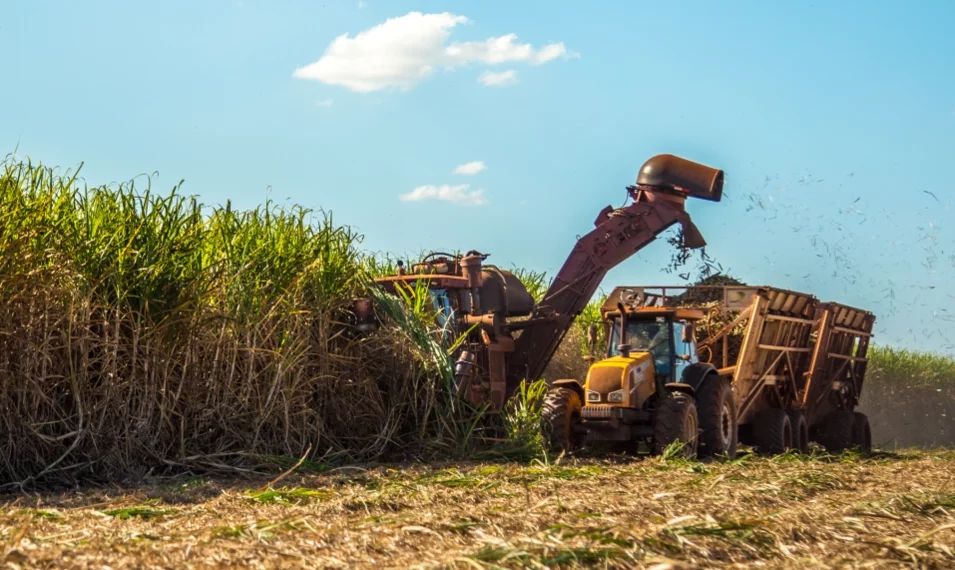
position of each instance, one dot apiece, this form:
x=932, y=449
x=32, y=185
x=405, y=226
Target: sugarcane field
x=366, y=285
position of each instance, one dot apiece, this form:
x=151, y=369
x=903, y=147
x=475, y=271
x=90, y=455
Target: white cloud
x=503, y=49
x=362, y=4
x=470, y=168
x=403, y=51
x=325, y=103
x=456, y=194
x=498, y=79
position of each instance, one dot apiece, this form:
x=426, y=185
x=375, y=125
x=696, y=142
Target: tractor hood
x=627, y=373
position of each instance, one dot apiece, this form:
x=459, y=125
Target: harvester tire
x=560, y=416
x=800, y=431
x=717, y=411
x=772, y=431
x=837, y=433
x=676, y=420
x=861, y=432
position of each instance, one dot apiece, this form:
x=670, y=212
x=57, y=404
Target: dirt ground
x=884, y=511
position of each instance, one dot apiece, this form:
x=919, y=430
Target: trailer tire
x=716, y=407
x=560, y=416
x=800, y=431
x=676, y=420
x=837, y=433
x=861, y=432
x=772, y=431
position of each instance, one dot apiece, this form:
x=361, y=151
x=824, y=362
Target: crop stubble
x=884, y=511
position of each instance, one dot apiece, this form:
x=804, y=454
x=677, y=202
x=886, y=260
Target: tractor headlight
x=617, y=396
x=593, y=396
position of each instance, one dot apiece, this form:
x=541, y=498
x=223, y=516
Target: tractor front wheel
x=676, y=421
x=560, y=418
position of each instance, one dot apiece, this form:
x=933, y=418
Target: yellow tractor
x=649, y=388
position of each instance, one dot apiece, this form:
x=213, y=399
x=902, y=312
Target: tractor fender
x=696, y=373
x=681, y=387
x=570, y=384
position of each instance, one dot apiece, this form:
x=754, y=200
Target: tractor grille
x=597, y=412
x=605, y=379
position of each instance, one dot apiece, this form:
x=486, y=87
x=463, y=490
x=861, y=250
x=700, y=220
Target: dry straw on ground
x=887, y=511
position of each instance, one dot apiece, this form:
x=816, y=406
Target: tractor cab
x=666, y=335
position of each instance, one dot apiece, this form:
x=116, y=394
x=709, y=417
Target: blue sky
x=834, y=122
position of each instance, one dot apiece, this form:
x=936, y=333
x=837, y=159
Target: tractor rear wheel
x=676, y=421
x=717, y=411
x=772, y=431
x=800, y=430
x=560, y=417
x=861, y=432
x=837, y=431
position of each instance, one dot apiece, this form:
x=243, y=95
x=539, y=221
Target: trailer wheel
x=837, y=431
x=717, y=411
x=676, y=420
x=772, y=431
x=861, y=432
x=560, y=416
x=800, y=430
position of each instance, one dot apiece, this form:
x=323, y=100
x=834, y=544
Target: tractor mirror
x=687, y=334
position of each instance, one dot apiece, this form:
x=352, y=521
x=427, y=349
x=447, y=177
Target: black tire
x=772, y=431
x=837, y=430
x=676, y=420
x=719, y=433
x=560, y=416
x=800, y=431
x=861, y=432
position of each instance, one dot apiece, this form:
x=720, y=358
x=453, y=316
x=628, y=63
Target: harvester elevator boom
x=659, y=196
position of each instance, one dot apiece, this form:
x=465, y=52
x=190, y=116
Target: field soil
x=884, y=511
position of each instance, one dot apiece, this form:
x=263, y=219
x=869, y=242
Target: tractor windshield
x=646, y=336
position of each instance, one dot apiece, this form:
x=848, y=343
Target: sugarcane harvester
x=510, y=338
